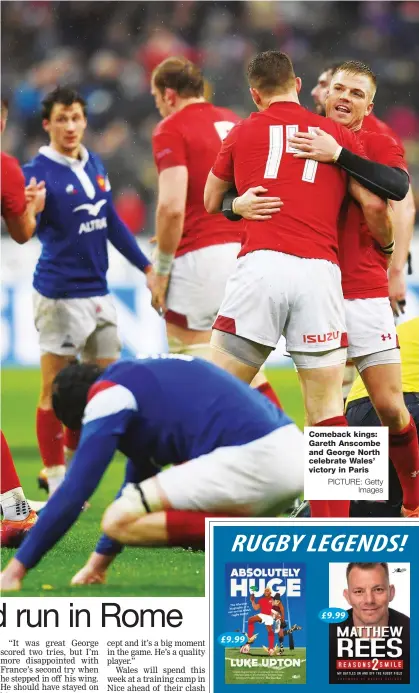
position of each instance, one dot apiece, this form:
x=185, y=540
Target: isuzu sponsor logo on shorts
x=94, y=225
x=319, y=338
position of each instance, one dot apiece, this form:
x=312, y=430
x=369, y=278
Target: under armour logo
x=68, y=343
x=386, y=336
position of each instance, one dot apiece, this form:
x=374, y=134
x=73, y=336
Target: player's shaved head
x=271, y=72
x=70, y=390
x=367, y=566
x=181, y=75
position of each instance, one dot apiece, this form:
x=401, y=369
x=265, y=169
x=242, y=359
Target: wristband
x=163, y=262
x=337, y=154
x=388, y=249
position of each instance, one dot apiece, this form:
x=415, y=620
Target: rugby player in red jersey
x=288, y=279
x=371, y=332
x=19, y=216
x=264, y=606
x=19, y=212
x=404, y=211
x=196, y=251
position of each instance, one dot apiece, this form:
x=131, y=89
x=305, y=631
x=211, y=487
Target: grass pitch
x=160, y=572
x=257, y=667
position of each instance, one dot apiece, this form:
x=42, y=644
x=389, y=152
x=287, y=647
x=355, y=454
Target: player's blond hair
x=179, y=74
x=355, y=67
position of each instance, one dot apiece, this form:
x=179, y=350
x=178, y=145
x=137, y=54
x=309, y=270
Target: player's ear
x=298, y=84
x=369, y=108
x=392, y=592
x=170, y=96
x=346, y=595
x=255, y=96
x=46, y=125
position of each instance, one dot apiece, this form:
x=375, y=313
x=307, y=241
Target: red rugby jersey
x=373, y=124
x=363, y=266
x=256, y=152
x=265, y=604
x=13, y=202
x=192, y=138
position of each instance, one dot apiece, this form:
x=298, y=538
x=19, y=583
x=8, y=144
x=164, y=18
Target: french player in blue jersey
x=233, y=453
x=74, y=312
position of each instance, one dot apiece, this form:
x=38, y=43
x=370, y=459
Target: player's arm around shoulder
x=221, y=177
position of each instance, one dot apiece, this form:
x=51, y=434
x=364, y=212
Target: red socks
x=49, y=432
x=71, y=438
x=267, y=390
x=404, y=453
x=331, y=508
x=271, y=639
x=187, y=527
x=9, y=477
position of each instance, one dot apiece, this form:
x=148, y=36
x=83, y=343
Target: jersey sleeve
x=385, y=150
x=224, y=163
x=13, y=203
x=107, y=546
x=348, y=140
x=107, y=416
x=168, y=148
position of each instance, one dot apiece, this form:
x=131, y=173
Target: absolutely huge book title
x=265, y=604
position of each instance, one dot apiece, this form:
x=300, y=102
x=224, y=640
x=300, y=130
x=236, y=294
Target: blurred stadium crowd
x=108, y=50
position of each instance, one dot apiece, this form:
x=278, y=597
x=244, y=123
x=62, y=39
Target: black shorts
x=360, y=412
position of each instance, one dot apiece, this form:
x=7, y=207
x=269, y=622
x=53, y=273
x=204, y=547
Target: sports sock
x=49, y=432
x=71, y=441
x=331, y=508
x=339, y=508
x=334, y=421
x=250, y=629
x=12, y=499
x=271, y=639
x=267, y=390
x=319, y=508
x=404, y=453
x=9, y=477
x=187, y=527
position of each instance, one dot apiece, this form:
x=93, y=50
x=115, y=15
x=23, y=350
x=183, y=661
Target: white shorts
x=197, y=284
x=267, y=620
x=273, y=293
x=73, y=326
x=370, y=325
x=255, y=479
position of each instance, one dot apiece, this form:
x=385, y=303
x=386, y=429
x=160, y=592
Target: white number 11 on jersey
x=276, y=149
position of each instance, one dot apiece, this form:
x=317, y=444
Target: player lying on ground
x=373, y=344
x=74, y=312
x=287, y=279
x=233, y=453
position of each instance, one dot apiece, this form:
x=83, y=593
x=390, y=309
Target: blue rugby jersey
x=156, y=411
x=78, y=219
